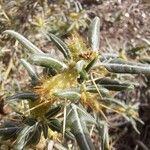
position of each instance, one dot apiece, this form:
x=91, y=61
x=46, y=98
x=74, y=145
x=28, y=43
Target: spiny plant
x=75, y=95
x=41, y=16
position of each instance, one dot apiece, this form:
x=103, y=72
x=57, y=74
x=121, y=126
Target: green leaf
x=56, y=125
x=108, y=56
x=90, y=65
x=72, y=95
x=23, y=96
x=47, y=61
x=25, y=136
x=8, y=133
x=121, y=66
x=60, y=45
x=9, y=130
x=94, y=34
x=26, y=43
x=84, y=141
x=83, y=76
x=32, y=73
x=83, y=113
x=80, y=66
x=53, y=111
x=112, y=101
x=93, y=89
x=103, y=131
x=77, y=119
x=45, y=129
x=35, y=136
x=114, y=85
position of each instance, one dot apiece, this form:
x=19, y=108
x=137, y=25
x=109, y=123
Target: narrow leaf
x=24, y=137
x=80, y=66
x=56, y=125
x=9, y=132
x=9, y=129
x=60, y=45
x=53, y=111
x=35, y=136
x=83, y=113
x=94, y=34
x=45, y=129
x=32, y=73
x=23, y=96
x=84, y=141
x=26, y=43
x=112, y=101
x=90, y=65
x=103, y=131
x=114, y=85
x=77, y=122
x=93, y=89
x=109, y=56
x=121, y=66
x=47, y=61
x=72, y=95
